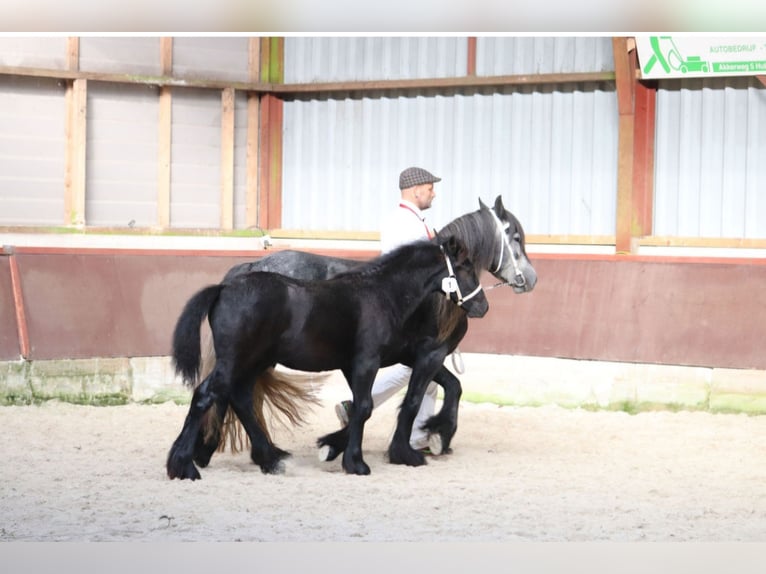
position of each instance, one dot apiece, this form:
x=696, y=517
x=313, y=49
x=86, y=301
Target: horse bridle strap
x=450, y=284
x=501, y=228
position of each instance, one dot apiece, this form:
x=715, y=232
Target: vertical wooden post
x=165, y=123
x=227, y=158
x=471, y=65
x=643, y=155
x=270, y=184
x=73, y=53
x=76, y=138
x=635, y=169
x=253, y=127
x=22, y=329
x=625, y=81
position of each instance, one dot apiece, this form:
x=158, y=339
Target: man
x=405, y=224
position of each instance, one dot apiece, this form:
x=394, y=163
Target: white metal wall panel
x=32, y=148
x=120, y=55
x=710, y=163
x=218, y=58
x=33, y=52
x=551, y=154
x=195, y=171
x=121, y=166
x=543, y=55
x=328, y=59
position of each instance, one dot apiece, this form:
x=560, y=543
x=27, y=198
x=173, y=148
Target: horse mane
x=471, y=229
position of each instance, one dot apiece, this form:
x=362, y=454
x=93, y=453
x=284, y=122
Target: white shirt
x=403, y=225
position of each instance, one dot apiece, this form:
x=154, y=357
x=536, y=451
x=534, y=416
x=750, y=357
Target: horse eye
x=517, y=236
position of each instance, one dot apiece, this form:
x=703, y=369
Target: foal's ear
x=455, y=248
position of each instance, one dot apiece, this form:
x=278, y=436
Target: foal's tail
x=186, y=336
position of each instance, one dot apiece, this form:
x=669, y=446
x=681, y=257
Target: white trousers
x=392, y=380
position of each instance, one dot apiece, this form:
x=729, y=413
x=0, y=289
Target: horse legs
x=180, y=463
x=262, y=451
x=445, y=421
x=400, y=451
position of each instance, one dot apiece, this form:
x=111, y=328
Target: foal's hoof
x=359, y=468
x=276, y=467
x=326, y=453
x=183, y=471
x=435, y=444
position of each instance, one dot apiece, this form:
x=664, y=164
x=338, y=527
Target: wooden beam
x=18, y=304
x=253, y=126
x=270, y=180
x=73, y=53
x=76, y=138
x=643, y=159
x=471, y=65
x=269, y=87
x=625, y=83
x=164, y=141
x=227, y=159
x=270, y=144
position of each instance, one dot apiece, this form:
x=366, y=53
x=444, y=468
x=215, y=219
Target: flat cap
x=413, y=176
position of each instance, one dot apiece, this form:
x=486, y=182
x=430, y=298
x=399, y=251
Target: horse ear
x=481, y=204
x=499, y=207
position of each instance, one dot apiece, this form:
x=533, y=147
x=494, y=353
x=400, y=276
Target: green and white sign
x=689, y=56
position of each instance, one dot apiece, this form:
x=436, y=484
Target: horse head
x=512, y=266
x=462, y=285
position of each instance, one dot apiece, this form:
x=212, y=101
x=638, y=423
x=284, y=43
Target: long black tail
x=186, y=336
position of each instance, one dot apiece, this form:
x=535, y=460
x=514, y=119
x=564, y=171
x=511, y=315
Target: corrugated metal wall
x=710, y=164
x=328, y=59
x=543, y=55
x=32, y=150
x=551, y=152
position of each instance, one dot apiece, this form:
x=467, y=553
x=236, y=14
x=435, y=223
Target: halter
x=450, y=284
x=519, y=276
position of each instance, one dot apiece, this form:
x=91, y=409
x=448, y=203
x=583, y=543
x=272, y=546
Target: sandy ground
x=78, y=473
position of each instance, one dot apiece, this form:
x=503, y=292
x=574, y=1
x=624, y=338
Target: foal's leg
x=361, y=389
x=262, y=452
x=445, y=421
x=179, y=463
x=348, y=440
x=400, y=451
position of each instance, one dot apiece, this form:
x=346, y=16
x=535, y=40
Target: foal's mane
x=374, y=266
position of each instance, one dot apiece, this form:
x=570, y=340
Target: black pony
x=353, y=322
x=495, y=242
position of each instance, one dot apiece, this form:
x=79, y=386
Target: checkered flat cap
x=413, y=176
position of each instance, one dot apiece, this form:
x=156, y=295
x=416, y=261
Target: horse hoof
x=190, y=472
x=360, y=469
x=323, y=453
x=277, y=467
x=435, y=444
